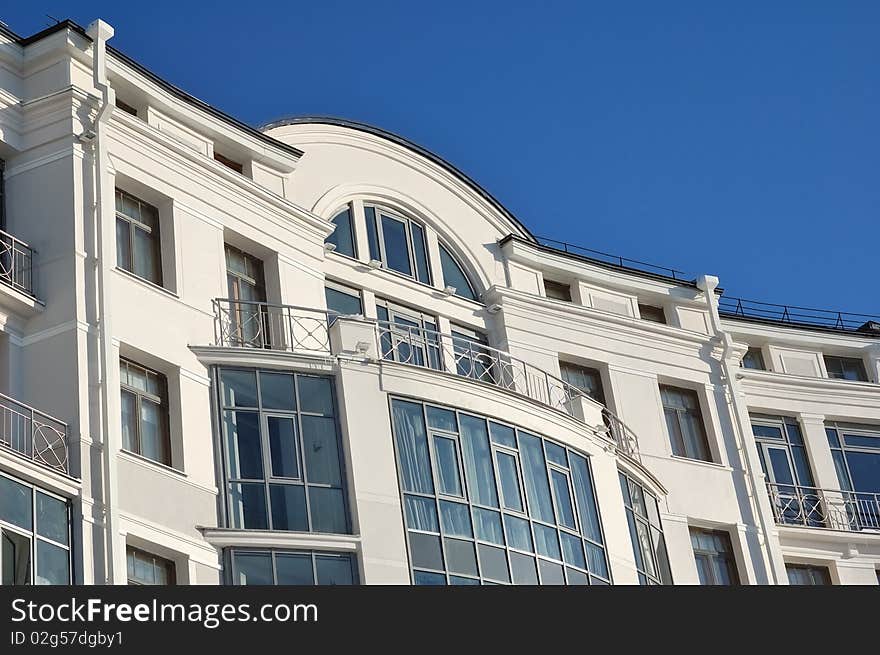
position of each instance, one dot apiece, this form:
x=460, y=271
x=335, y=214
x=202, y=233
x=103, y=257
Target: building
x=320, y=353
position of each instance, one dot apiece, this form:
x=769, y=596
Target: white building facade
x=319, y=354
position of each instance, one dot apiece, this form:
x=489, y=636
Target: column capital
x=806, y=417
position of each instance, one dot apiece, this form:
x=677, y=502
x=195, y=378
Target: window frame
x=654, y=311
x=728, y=556
x=558, y=286
x=812, y=570
x=380, y=211
x=423, y=338
x=346, y=290
x=473, y=506
x=155, y=237
x=349, y=208
x=710, y=458
x=567, y=368
x=162, y=400
x=662, y=573
x=232, y=568
x=443, y=248
x=169, y=565
x=840, y=363
x=269, y=479
x=754, y=352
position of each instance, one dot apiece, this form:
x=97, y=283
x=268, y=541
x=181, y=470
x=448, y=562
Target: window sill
x=140, y=459
x=145, y=282
x=701, y=462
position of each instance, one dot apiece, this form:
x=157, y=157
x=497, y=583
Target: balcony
x=16, y=264
x=829, y=509
x=33, y=435
x=261, y=325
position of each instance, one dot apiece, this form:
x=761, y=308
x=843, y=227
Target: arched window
x=398, y=242
x=454, y=276
x=343, y=236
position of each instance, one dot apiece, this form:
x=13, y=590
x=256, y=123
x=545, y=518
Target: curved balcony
x=33, y=434
x=304, y=330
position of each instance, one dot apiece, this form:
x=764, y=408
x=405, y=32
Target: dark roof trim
x=406, y=143
x=604, y=264
x=168, y=86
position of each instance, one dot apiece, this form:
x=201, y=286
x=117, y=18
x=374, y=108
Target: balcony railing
x=252, y=324
x=470, y=359
x=798, y=316
x=33, y=434
x=832, y=509
x=16, y=263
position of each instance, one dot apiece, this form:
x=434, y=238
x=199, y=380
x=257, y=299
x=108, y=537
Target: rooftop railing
x=831, y=509
x=794, y=315
x=476, y=361
x=617, y=260
x=16, y=263
x=33, y=434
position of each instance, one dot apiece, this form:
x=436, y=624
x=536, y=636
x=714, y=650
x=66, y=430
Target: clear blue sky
x=738, y=138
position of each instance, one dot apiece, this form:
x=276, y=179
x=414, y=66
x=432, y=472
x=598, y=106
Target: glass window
x=521, y=517
x=846, y=368
x=138, y=247
x=408, y=335
x=856, y=454
x=754, y=359
x=147, y=569
x=34, y=535
x=646, y=532
x=454, y=275
x=588, y=380
x=557, y=290
x=145, y=412
x=713, y=555
x=279, y=567
x=652, y=313
x=247, y=323
x=803, y=575
x=343, y=300
x=283, y=454
x=343, y=236
x=684, y=422
x=398, y=242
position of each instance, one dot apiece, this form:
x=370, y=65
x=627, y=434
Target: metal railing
x=16, y=263
x=617, y=260
x=252, y=324
x=470, y=359
x=33, y=434
x=832, y=509
x=794, y=315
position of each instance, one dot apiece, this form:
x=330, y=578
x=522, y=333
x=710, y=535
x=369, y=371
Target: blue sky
x=739, y=139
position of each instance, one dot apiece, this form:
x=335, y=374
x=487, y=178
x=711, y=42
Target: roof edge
x=406, y=143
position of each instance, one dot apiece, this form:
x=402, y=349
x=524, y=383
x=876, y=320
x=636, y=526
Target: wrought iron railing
x=16, y=263
x=33, y=434
x=617, y=260
x=832, y=509
x=470, y=359
x=794, y=315
x=252, y=324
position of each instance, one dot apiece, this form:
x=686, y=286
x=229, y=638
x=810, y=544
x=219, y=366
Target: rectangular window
x=684, y=422
x=144, y=412
x=398, y=242
x=486, y=503
x=846, y=368
x=652, y=313
x=754, y=359
x=408, y=336
x=646, y=533
x=803, y=575
x=473, y=359
x=856, y=453
x=343, y=300
x=588, y=380
x=128, y=109
x=246, y=289
x=147, y=569
x=34, y=535
x=138, y=245
x=282, y=451
x=282, y=567
x=714, y=558
x=557, y=290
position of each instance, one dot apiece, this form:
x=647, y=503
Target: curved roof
x=406, y=143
